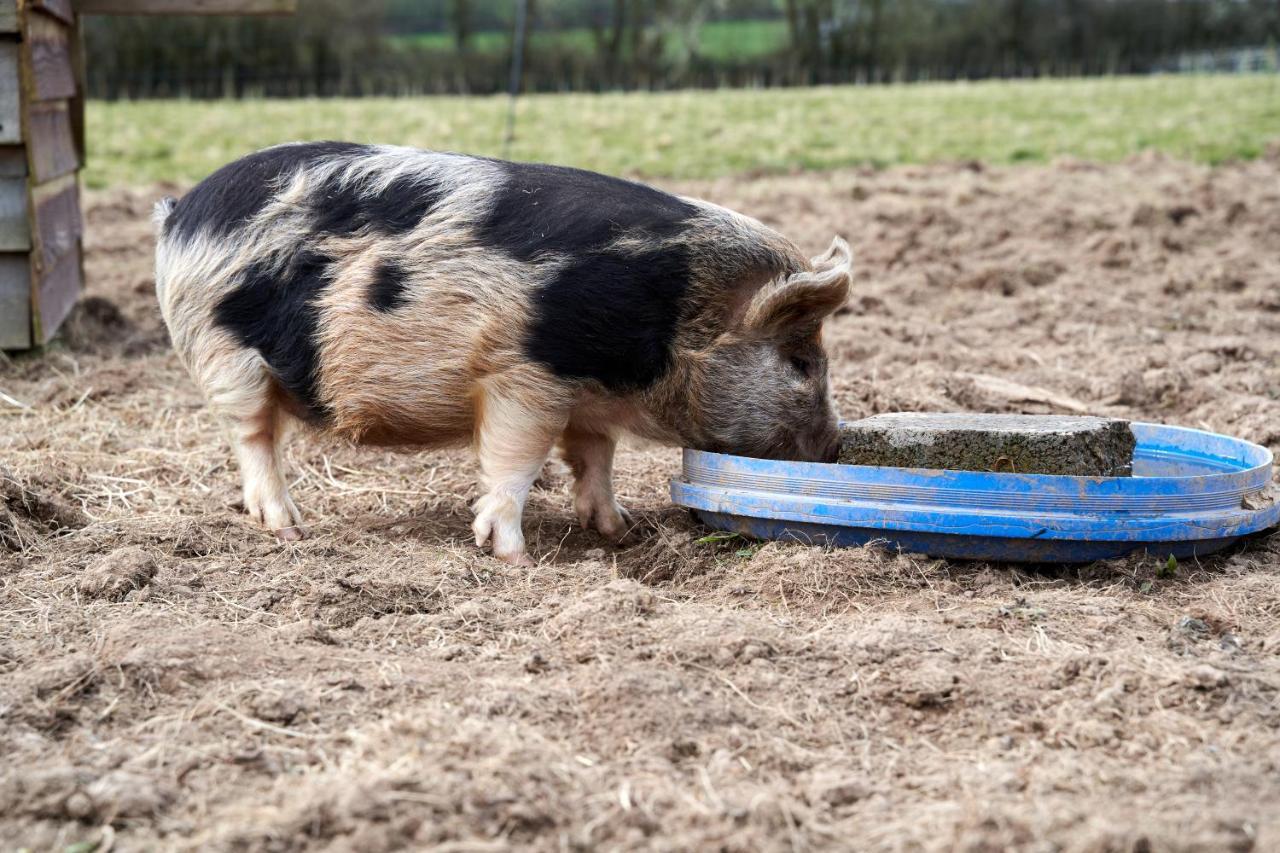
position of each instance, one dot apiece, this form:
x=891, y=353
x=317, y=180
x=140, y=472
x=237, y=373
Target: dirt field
x=172, y=677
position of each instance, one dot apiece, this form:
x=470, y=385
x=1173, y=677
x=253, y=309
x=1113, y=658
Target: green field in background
x=720, y=40
x=704, y=134
x=492, y=41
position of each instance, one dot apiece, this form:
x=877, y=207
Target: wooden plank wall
x=39, y=186
x=49, y=41
x=60, y=9
x=15, y=232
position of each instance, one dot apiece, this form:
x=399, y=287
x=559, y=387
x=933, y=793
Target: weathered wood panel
x=46, y=44
x=56, y=225
x=13, y=161
x=76, y=104
x=15, y=230
x=8, y=16
x=58, y=8
x=15, y=301
x=58, y=289
x=186, y=7
x=10, y=92
x=51, y=141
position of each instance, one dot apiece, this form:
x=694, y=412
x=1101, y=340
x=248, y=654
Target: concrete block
x=1023, y=444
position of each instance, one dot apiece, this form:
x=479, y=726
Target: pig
x=401, y=297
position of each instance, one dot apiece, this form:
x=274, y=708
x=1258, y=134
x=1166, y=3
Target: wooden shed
x=42, y=147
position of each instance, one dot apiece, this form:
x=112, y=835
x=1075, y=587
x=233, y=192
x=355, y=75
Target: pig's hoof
x=497, y=524
x=291, y=534
x=613, y=525
x=607, y=517
x=278, y=514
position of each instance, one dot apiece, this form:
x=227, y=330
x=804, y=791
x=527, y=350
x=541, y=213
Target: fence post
x=517, y=71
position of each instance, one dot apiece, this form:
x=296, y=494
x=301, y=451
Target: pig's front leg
x=590, y=456
x=514, y=436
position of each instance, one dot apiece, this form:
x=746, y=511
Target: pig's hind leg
x=258, y=440
x=240, y=388
x=590, y=457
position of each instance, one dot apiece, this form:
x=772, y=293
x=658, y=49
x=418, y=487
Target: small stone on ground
x=1021, y=444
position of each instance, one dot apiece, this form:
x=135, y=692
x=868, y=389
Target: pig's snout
x=825, y=446
x=832, y=453
x=820, y=443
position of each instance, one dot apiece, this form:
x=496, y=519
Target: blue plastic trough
x=1192, y=493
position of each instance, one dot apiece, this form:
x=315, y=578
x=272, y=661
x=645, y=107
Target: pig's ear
x=798, y=303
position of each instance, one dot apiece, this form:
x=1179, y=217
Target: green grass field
x=493, y=41
x=706, y=134
x=720, y=40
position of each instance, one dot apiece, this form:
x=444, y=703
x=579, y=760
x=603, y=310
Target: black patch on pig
x=607, y=315
x=342, y=209
x=541, y=209
x=274, y=311
x=238, y=191
x=611, y=317
x=387, y=292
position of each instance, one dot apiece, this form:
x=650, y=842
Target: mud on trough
x=172, y=677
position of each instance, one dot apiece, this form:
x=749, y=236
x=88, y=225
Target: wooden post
x=40, y=225
x=15, y=237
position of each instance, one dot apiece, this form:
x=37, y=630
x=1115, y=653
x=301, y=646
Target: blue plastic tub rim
x=1188, y=484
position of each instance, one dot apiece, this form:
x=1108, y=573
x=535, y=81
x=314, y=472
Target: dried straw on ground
x=171, y=677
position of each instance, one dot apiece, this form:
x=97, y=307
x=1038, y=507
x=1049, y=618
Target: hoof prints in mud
x=350, y=599
x=28, y=514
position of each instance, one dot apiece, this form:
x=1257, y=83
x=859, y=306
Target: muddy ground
x=171, y=677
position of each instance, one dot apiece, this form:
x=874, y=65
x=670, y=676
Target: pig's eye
x=802, y=365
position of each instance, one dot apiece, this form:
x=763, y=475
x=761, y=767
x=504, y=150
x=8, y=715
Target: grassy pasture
x=696, y=134
x=716, y=39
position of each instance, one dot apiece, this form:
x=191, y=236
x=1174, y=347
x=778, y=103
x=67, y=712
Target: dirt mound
x=94, y=322
x=113, y=576
x=172, y=678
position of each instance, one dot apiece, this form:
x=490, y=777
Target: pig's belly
x=425, y=409
x=389, y=433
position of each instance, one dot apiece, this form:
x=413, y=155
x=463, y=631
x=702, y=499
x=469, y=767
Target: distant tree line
x=336, y=47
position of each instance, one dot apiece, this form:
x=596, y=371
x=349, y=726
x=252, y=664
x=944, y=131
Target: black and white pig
x=403, y=297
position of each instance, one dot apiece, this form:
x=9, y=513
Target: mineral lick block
x=1023, y=444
